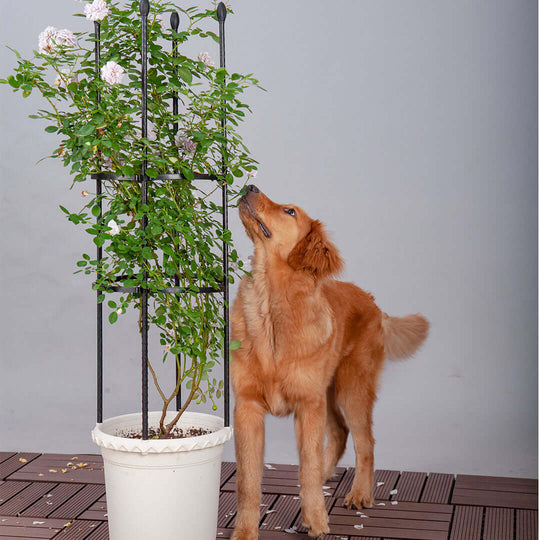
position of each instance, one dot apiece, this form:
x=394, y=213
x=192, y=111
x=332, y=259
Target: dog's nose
x=252, y=188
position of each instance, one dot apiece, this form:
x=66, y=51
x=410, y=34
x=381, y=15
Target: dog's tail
x=403, y=335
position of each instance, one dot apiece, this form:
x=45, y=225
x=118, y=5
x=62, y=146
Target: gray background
x=410, y=129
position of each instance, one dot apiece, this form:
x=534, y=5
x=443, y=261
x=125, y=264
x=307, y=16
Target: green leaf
x=85, y=130
x=185, y=74
x=96, y=210
x=152, y=173
x=13, y=82
x=127, y=170
x=235, y=345
x=147, y=253
x=113, y=317
x=51, y=129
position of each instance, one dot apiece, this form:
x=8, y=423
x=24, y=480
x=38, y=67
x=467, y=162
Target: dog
x=312, y=346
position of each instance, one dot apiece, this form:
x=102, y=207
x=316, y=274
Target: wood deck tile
x=96, y=512
x=389, y=480
x=282, y=514
x=16, y=462
x=100, y=533
x=47, y=504
x=526, y=524
x=227, y=508
x=345, y=484
x=499, y=524
x=413, y=511
x=5, y=455
x=81, y=501
x=401, y=520
x=438, y=488
x=84, y=469
x=467, y=523
x=31, y=528
x=10, y=489
x=78, y=530
x=409, y=486
x=228, y=468
x=494, y=498
x=25, y=498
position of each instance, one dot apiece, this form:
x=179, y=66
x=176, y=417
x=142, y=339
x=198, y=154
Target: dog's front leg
x=249, y=445
x=309, y=423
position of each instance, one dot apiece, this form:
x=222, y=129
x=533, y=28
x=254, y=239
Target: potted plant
x=148, y=122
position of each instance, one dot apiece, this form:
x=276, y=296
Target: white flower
x=115, y=229
x=206, y=59
x=112, y=72
x=45, y=39
x=65, y=38
x=96, y=11
x=252, y=174
x=68, y=77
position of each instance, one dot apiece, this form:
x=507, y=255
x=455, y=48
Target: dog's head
x=287, y=231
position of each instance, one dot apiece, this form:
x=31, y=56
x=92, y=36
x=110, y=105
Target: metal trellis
x=144, y=180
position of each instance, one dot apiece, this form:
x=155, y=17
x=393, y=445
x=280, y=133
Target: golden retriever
x=312, y=346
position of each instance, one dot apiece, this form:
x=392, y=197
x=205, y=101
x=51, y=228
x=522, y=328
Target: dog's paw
x=317, y=527
x=357, y=499
x=244, y=534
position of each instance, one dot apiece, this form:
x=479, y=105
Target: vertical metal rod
x=97, y=54
x=175, y=22
x=221, y=16
x=145, y=8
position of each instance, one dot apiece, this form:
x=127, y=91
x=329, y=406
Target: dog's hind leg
x=336, y=434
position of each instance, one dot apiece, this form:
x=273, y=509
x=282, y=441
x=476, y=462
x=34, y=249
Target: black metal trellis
x=144, y=179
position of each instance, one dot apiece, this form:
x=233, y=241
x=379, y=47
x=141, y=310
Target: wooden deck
x=62, y=496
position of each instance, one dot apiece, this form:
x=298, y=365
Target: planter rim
x=103, y=436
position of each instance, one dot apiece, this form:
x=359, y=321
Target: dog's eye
x=290, y=211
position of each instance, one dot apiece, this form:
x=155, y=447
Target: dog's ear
x=316, y=254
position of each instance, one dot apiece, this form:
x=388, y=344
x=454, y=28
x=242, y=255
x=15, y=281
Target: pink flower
x=51, y=38
x=96, y=11
x=65, y=38
x=46, y=39
x=112, y=72
x=206, y=59
x=252, y=174
x=187, y=146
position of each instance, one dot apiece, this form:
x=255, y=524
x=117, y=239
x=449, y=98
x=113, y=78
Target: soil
x=176, y=433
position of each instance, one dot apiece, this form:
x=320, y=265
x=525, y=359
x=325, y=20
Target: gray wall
x=409, y=128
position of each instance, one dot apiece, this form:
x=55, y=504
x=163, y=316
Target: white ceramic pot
x=164, y=489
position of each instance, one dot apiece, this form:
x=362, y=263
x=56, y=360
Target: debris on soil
x=176, y=433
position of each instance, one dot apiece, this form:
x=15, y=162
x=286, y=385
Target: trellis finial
x=145, y=7
x=221, y=12
x=175, y=20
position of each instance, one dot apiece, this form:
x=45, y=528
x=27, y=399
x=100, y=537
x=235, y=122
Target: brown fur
x=312, y=346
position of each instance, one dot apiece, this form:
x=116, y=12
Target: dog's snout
x=252, y=189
